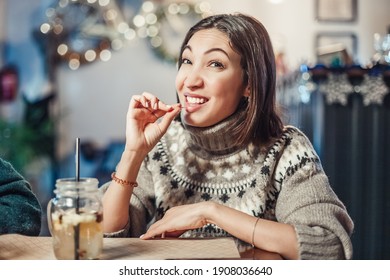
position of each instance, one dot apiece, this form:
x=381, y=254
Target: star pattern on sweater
x=232, y=160
x=209, y=174
x=224, y=198
x=265, y=170
x=174, y=184
x=245, y=169
x=193, y=170
x=157, y=156
x=228, y=174
x=164, y=170
x=180, y=161
x=174, y=147
x=188, y=193
x=253, y=183
x=241, y=194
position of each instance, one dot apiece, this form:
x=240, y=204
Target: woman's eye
x=185, y=61
x=217, y=64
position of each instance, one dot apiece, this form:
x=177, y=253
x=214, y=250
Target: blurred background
x=69, y=67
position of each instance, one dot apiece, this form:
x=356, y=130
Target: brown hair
x=249, y=38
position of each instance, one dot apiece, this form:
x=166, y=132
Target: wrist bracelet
x=122, y=182
x=253, y=233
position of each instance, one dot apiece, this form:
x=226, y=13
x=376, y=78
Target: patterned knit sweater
x=284, y=183
x=20, y=211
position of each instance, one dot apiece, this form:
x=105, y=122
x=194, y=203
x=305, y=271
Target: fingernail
x=142, y=236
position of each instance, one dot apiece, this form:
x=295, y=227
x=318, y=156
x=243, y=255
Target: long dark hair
x=249, y=38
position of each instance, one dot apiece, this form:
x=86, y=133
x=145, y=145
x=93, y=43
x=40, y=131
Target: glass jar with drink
x=75, y=217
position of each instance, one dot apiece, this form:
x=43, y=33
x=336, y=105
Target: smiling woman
x=209, y=82
x=228, y=166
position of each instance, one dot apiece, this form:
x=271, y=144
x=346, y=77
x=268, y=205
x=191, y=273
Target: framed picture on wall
x=336, y=48
x=336, y=10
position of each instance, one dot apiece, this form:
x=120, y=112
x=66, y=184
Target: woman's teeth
x=195, y=100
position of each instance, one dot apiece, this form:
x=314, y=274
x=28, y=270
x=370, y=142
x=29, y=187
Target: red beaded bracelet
x=122, y=182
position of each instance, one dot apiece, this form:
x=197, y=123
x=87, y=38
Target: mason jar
x=75, y=217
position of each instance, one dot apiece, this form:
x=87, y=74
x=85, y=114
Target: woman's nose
x=193, y=79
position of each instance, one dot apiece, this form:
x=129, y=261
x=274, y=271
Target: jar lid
x=71, y=185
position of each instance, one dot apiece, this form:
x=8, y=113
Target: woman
x=20, y=211
x=228, y=166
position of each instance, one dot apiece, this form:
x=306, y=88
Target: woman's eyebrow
x=208, y=51
x=217, y=50
x=187, y=47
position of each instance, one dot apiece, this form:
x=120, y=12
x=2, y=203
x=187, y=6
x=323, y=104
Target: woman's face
x=210, y=80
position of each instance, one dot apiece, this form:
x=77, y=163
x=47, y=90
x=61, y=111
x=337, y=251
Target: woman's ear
x=247, y=91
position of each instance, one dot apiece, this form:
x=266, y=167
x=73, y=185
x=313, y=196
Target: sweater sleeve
x=141, y=205
x=20, y=211
x=307, y=201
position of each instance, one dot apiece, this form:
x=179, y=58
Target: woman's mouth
x=194, y=103
x=195, y=100
x=191, y=101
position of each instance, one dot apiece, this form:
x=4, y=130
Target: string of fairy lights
x=84, y=31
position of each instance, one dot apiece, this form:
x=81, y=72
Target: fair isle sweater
x=285, y=183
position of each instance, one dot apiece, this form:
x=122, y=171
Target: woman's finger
x=168, y=117
x=151, y=102
x=135, y=101
x=138, y=101
x=152, y=99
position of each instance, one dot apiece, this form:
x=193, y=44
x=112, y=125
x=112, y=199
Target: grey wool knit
x=284, y=183
x=20, y=211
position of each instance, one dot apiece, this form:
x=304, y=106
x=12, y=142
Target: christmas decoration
x=83, y=31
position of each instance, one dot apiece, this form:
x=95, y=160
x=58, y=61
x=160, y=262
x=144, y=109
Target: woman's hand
x=147, y=121
x=177, y=220
x=143, y=127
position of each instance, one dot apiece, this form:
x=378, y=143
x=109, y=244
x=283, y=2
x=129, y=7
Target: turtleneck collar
x=217, y=139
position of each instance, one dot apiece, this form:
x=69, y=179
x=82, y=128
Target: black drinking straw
x=77, y=159
x=77, y=227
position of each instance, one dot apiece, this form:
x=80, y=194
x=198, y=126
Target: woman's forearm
x=117, y=197
x=267, y=235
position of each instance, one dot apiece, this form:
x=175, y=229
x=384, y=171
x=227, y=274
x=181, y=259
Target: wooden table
x=19, y=247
